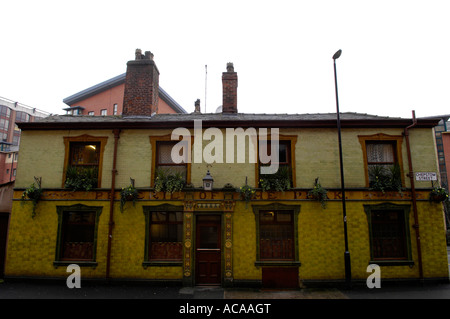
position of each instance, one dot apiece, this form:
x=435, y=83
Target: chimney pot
x=197, y=106
x=138, y=54
x=148, y=55
x=230, y=67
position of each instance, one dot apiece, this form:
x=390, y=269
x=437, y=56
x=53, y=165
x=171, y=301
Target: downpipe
x=111, y=203
x=413, y=194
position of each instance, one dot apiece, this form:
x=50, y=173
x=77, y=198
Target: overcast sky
x=395, y=54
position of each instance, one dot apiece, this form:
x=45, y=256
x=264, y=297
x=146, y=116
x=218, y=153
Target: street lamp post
x=348, y=272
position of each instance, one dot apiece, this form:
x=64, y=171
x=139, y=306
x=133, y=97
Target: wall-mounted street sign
x=426, y=176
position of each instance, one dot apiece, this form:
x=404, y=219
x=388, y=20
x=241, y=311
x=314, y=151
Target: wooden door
x=208, y=250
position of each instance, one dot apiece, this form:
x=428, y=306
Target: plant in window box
x=280, y=181
x=438, y=194
x=81, y=178
x=169, y=182
x=33, y=193
x=129, y=193
x=384, y=178
x=318, y=193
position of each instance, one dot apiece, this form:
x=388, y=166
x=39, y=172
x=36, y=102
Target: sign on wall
x=426, y=176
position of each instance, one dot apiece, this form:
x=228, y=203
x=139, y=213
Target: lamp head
x=337, y=54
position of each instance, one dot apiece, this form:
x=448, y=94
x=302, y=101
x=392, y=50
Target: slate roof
x=348, y=119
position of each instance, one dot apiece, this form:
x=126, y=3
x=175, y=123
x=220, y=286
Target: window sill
x=392, y=262
x=260, y=263
x=161, y=263
x=65, y=263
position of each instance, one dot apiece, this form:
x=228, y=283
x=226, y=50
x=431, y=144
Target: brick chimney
x=141, y=86
x=229, y=84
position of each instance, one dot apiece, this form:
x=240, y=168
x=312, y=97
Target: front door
x=208, y=250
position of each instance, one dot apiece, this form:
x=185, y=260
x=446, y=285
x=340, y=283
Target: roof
x=113, y=82
x=221, y=120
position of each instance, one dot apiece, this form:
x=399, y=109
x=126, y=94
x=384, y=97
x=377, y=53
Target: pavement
x=59, y=290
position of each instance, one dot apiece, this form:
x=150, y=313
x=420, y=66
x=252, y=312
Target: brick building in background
x=11, y=113
x=106, y=98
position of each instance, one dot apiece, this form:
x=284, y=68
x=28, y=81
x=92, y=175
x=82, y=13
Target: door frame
x=221, y=237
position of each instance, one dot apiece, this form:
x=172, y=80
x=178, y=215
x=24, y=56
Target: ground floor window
x=276, y=235
x=164, y=233
x=276, y=232
x=77, y=233
x=389, y=232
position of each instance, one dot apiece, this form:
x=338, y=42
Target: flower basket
x=34, y=194
x=128, y=194
x=318, y=193
x=438, y=194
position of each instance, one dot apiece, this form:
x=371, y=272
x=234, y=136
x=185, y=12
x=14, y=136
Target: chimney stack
x=229, y=84
x=141, y=86
x=197, y=106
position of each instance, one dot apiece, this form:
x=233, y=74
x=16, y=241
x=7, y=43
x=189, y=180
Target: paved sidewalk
x=59, y=290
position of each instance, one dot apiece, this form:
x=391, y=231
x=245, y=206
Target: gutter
x=413, y=193
x=111, y=203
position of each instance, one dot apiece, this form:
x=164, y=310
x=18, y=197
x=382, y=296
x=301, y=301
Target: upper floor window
x=380, y=156
x=5, y=111
x=22, y=117
x=115, y=109
x=165, y=163
x=285, y=175
x=103, y=112
x=83, y=161
x=382, y=161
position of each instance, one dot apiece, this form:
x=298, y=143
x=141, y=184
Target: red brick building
x=106, y=98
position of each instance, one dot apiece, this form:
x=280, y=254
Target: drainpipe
x=413, y=194
x=111, y=202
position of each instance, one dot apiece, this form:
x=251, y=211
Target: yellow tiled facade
x=319, y=246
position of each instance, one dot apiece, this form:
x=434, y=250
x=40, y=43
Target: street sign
x=426, y=176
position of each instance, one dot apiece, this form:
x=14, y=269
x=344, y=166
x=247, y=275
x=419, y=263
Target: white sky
x=395, y=54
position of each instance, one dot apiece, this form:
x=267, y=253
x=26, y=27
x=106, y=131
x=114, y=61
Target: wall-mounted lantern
x=208, y=182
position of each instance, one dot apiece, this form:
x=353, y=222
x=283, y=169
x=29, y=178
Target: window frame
x=396, y=140
x=389, y=207
x=148, y=210
x=61, y=210
x=291, y=156
x=154, y=140
x=295, y=210
x=84, y=139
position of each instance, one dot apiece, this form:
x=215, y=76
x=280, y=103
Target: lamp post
x=348, y=271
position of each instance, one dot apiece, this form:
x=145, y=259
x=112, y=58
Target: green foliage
x=318, y=193
x=129, y=193
x=33, y=193
x=384, y=178
x=246, y=192
x=280, y=181
x=169, y=182
x=438, y=194
x=81, y=178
